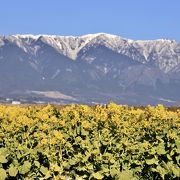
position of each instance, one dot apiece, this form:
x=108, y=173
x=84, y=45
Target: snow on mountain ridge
x=67, y=45
x=166, y=53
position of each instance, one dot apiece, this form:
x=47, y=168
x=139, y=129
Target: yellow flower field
x=84, y=142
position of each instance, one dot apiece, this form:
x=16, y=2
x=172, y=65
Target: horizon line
x=88, y=34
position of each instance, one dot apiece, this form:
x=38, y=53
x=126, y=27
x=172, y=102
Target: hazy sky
x=135, y=19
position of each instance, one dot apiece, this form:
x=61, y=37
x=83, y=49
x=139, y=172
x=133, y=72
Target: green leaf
x=73, y=161
x=3, y=151
x=169, y=157
x=178, y=146
x=161, y=149
x=56, y=168
x=81, y=168
x=3, y=174
x=18, y=155
x=25, y=168
x=137, y=169
x=114, y=172
x=98, y=175
x=153, y=151
x=13, y=171
x=96, y=152
x=85, y=159
x=161, y=171
x=80, y=178
x=151, y=161
x=177, y=143
x=178, y=159
x=44, y=170
x=112, y=161
x=84, y=132
x=48, y=175
x=3, y=159
x=126, y=175
x=176, y=171
x=105, y=168
x=66, y=165
x=37, y=164
x=90, y=167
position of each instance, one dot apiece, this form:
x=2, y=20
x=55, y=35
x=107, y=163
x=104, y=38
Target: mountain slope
x=91, y=68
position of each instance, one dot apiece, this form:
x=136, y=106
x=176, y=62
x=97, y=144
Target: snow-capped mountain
x=94, y=67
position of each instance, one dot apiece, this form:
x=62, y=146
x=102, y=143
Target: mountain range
x=93, y=68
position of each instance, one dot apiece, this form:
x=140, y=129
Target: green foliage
x=13, y=171
x=82, y=142
x=25, y=168
x=3, y=174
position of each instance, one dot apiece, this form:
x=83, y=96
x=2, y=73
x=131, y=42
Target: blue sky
x=135, y=19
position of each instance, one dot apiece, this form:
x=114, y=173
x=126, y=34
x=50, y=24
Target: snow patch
x=165, y=52
x=56, y=74
x=68, y=69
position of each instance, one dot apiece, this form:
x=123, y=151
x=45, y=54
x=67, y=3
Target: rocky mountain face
x=89, y=69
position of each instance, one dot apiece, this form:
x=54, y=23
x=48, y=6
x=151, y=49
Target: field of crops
x=83, y=142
